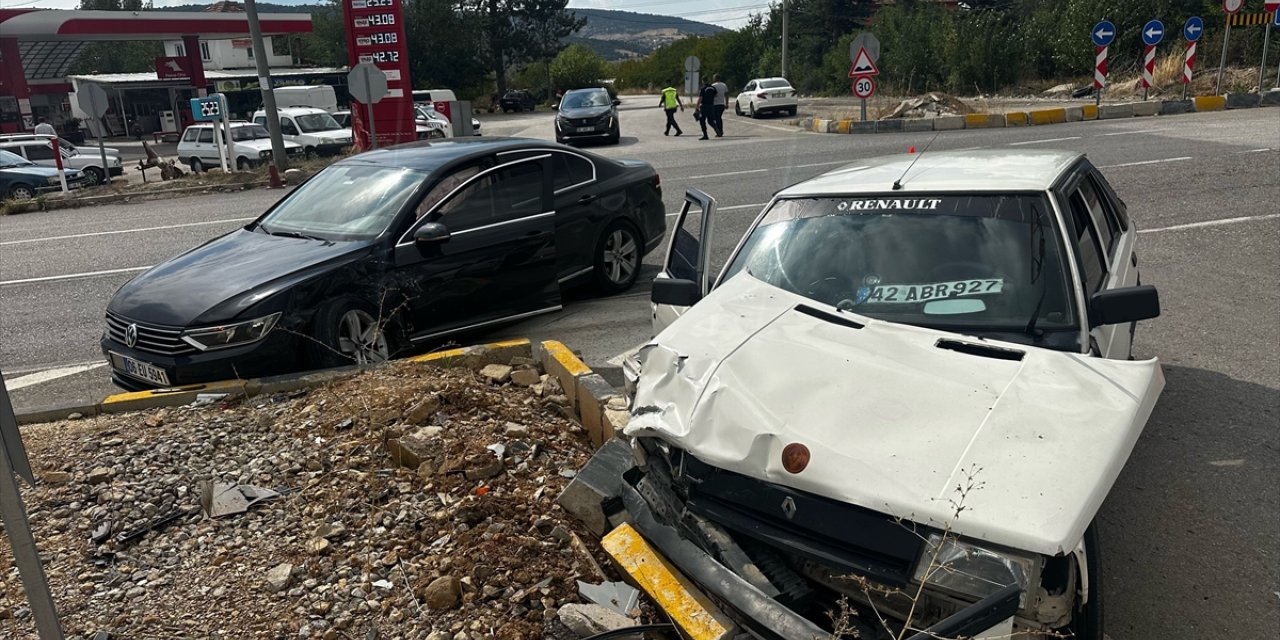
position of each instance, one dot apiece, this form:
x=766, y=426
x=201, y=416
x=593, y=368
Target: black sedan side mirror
x=678, y=293
x=431, y=232
x=617, y=102
x=1121, y=306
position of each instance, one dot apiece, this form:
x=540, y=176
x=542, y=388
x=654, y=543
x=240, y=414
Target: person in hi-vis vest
x=669, y=102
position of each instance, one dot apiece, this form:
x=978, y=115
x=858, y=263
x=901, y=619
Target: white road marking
x=821, y=164
x=18, y=371
x=50, y=375
x=119, y=231
x=721, y=175
x=1262, y=150
x=770, y=126
x=1132, y=133
x=1235, y=462
x=729, y=208
x=1145, y=162
x=1212, y=223
x=1019, y=144
x=72, y=276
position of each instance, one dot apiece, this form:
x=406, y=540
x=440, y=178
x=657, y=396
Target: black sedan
x=387, y=252
x=517, y=100
x=587, y=114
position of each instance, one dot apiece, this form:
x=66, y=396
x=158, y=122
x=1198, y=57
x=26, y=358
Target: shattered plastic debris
x=225, y=499
x=618, y=596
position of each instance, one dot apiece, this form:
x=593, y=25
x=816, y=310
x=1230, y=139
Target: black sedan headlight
x=231, y=335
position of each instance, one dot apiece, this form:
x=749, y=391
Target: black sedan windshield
x=344, y=202
x=585, y=99
x=974, y=263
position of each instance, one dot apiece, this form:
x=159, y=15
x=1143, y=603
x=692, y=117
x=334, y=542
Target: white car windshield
x=314, y=122
x=249, y=132
x=774, y=84
x=344, y=202
x=10, y=159
x=967, y=263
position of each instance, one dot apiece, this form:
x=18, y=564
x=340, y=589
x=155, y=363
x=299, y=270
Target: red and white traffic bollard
x=57, y=158
x=1099, y=73
x=1188, y=67
x=1148, y=70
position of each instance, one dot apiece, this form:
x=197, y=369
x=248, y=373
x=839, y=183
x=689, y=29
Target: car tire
x=336, y=327
x=310, y=153
x=615, y=137
x=243, y=164
x=96, y=176
x=1087, y=619
x=21, y=192
x=792, y=111
x=197, y=166
x=618, y=256
x=751, y=110
x=737, y=108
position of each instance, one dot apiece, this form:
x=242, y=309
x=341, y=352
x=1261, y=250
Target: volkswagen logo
x=131, y=335
x=789, y=507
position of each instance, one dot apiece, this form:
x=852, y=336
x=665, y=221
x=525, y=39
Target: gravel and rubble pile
x=416, y=502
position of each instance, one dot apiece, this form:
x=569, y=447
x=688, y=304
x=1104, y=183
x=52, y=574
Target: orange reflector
x=795, y=457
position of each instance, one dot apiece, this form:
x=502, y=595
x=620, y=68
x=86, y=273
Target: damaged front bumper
x=628, y=491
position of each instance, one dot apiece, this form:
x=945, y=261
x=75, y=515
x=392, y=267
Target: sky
x=726, y=13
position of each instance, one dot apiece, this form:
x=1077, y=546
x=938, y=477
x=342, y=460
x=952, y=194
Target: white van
x=251, y=145
x=314, y=129
x=314, y=96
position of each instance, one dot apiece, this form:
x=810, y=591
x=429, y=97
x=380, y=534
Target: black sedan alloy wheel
x=618, y=257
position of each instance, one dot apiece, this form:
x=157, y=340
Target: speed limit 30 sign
x=864, y=87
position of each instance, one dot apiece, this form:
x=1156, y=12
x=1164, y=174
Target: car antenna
x=897, y=184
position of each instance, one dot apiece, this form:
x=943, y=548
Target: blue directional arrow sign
x=1193, y=29
x=1103, y=34
x=1153, y=33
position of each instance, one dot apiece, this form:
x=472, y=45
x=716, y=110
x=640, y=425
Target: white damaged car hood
x=893, y=422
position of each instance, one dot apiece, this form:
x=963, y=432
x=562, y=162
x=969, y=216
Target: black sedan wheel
x=618, y=257
x=1086, y=620
x=21, y=192
x=348, y=332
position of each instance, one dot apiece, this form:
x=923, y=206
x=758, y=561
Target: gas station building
x=204, y=52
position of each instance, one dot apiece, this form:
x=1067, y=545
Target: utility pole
x=784, y=38
x=264, y=82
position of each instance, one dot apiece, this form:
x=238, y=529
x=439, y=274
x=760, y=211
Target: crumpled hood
x=893, y=422
x=224, y=277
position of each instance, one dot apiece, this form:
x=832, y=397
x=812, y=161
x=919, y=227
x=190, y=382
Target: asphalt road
x=1191, y=531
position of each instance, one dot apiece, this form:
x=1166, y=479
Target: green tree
x=546, y=24
x=117, y=57
x=578, y=66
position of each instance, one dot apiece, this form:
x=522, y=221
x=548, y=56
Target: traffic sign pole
x=1266, y=44
x=57, y=160
x=1099, y=73
x=1188, y=67
x=373, y=126
x=1148, y=69
x=220, y=143
x=1226, y=37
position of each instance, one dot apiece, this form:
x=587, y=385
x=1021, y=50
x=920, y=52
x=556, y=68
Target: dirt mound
x=931, y=105
x=415, y=501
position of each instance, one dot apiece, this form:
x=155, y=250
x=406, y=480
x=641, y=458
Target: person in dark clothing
x=707, y=108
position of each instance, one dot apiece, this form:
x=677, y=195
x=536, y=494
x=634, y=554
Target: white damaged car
x=905, y=380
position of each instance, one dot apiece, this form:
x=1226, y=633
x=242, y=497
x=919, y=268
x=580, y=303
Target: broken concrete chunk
x=589, y=619
x=552, y=387
x=280, y=577
x=483, y=467
x=426, y=408
x=100, y=475
x=496, y=373
x=596, y=482
x=617, y=421
x=443, y=593
x=317, y=545
x=525, y=377
x=523, y=362
x=409, y=451
x=57, y=477
x=515, y=430
x=617, y=403
x=331, y=531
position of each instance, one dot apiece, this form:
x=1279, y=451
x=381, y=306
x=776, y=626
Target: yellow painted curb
x=1015, y=119
x=223, y=386
x=1048, y=116
x=1210, y=103
x=462, y=352
x=559, y=362
x=687, y=607
x=842, y=126
x=1090, y=111
x=983, y=120
x=565, y=357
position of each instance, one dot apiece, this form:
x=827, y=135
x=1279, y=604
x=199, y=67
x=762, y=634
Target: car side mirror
x=1122, y=306
x=677, y=293
x=617, y=102
x=431, y=232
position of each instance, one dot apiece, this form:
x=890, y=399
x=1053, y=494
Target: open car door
x=685, y=275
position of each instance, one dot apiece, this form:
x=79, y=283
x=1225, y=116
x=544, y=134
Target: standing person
x=45, y=129
x=707, y=108
x=722, y=99
x=669, y=101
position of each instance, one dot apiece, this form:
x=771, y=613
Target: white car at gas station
x=950, y=395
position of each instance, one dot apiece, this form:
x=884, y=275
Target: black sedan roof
x=429, y=156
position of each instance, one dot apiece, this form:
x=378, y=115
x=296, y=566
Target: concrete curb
x=600, y=406
x=473, y=357
x=1043, y=117
x=32, y=206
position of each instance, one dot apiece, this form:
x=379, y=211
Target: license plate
x=917, y=293
x=585, y=129
x=139, y=370
x=780, y=95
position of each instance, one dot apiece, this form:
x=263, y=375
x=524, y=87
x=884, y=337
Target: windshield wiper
x=293, y=234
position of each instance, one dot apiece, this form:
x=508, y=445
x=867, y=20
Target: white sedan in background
x=763, y=95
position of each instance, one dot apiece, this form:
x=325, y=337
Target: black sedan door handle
x=586, y=199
